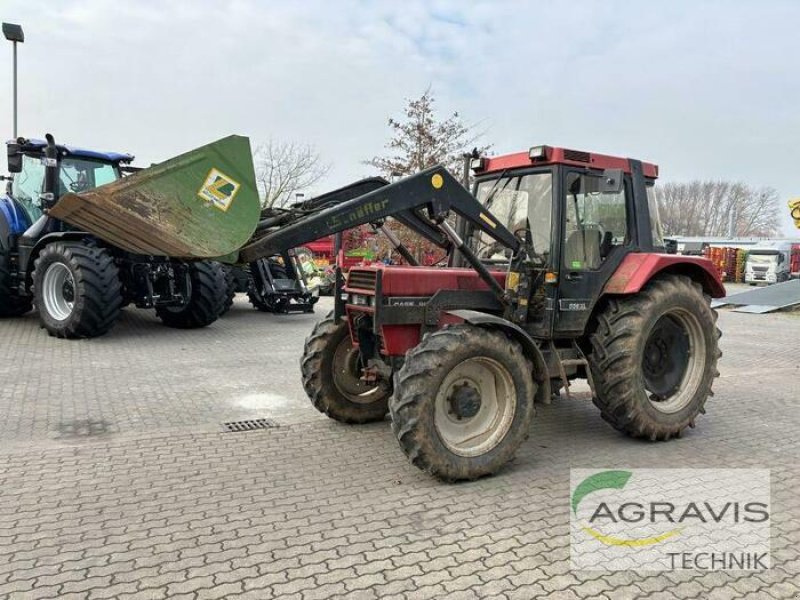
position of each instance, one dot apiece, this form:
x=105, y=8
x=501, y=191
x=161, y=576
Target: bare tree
x=420, y=140
x=717, y=208
x=284, y=169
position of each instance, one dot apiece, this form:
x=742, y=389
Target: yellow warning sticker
x=219, y=190
x=485, y=218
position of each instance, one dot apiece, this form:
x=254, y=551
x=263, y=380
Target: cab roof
x=33, y=145
x=548, y=155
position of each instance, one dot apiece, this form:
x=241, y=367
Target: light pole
x=14, y=34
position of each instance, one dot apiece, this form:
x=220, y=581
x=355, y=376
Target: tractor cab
x=577, y=214
x=79, y=170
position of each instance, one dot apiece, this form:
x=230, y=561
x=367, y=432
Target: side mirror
x=611, y=181
x=14, y=158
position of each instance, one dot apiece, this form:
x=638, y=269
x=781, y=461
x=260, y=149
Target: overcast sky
x=705, y=91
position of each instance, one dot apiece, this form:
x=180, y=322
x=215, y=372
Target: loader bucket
x=201, y=204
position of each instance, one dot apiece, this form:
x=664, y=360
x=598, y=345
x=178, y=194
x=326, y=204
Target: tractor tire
x=476, y=432
x=230, y=289
x=262, y=304
x=331, y=379
x=208, y=295
x=77, y=290
x=654, y=358
x=11, y=305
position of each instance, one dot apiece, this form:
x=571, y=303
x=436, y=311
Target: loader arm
x=273, y=219
x=421, y=202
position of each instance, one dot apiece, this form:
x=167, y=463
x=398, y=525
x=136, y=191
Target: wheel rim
x=673, y=362
x=58, y=291
x=347, y=375
x=475, y=406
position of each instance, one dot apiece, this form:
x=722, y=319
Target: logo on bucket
x=219, y=189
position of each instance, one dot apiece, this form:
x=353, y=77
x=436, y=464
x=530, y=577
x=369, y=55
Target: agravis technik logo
x=612, y=480
x=659, y=519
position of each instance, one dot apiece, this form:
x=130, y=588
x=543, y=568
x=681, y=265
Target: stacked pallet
x=728, y=261
x=795, y=263
x=741, y=259
x=731, y=254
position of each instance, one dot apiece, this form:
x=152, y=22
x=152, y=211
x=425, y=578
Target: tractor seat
x=582, y=250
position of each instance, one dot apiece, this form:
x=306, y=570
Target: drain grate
x=250, y=425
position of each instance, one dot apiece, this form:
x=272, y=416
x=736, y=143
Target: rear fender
x=540, y=373
x=61, y=236
x=637, y=269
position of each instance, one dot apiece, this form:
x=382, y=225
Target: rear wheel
x=208, y=293
x=463, y=402
x=331, y=369
x=11, y=305
x=654, y=358
x=77, y=290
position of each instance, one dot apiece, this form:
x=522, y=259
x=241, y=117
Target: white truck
x=768, y=263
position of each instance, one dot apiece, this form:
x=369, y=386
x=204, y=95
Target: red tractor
x=557, y=272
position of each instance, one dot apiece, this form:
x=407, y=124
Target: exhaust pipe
x=49, y=196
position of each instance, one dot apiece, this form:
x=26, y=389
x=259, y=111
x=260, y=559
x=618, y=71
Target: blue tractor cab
x=79, y=169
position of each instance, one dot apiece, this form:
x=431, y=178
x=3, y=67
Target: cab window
x=523, y=204
x=27, y=185
x=78, y=175
x=655, y=219
x=596, y=222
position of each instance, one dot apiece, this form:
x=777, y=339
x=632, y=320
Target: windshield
x=523, y=203
x=75, y=175
x=763, y=259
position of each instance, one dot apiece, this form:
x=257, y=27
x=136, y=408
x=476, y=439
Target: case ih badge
x=219, y=189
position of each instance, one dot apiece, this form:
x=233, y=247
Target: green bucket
x=201, y=204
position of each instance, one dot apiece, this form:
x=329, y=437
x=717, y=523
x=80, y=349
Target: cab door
x=597, y=225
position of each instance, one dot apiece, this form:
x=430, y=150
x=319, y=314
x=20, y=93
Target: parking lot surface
x=118, y=480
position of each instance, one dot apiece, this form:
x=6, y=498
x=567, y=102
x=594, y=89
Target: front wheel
x=332, y=369
x=654, y=358
x=463, y=402
x=77, y=290
x=207, y=291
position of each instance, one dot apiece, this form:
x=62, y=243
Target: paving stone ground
x=117, y=481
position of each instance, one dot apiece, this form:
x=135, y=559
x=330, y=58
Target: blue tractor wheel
x=78, y=290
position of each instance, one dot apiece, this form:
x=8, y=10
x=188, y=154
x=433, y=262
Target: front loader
x=557, y=271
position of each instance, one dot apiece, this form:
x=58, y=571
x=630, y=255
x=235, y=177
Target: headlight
x=361, y=300
x=538, y=153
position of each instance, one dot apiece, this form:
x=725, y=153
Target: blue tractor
x=77, y=282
